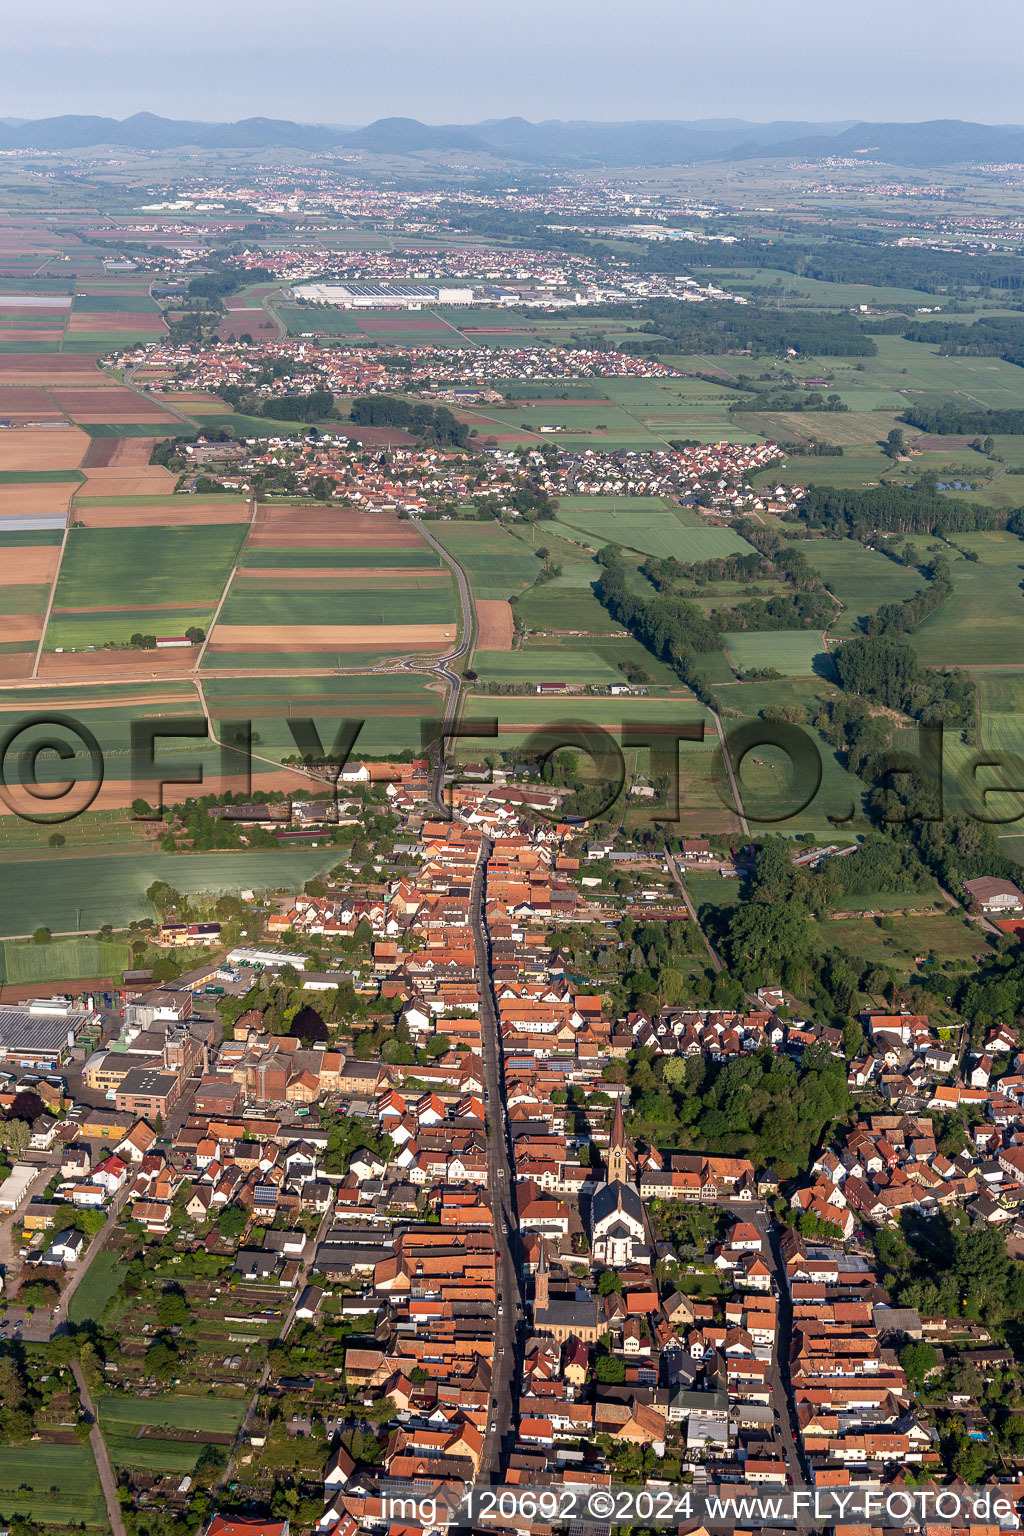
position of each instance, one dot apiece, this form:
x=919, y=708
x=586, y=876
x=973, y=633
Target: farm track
x=108, y=1482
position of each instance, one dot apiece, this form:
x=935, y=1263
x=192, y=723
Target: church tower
x=618, y=1165
x=540, y=1284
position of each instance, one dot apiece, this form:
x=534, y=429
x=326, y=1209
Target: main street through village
x=510, y=1311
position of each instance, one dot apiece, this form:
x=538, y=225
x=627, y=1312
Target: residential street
x=501, y=1184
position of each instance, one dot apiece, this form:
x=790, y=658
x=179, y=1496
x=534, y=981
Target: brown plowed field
x=306, y=528
x=18, y=500
x=28, y=565
x=117, y=666
x=100, y=452
x=115, y=793
x=42, y=448
x=394, y=575
x=109, y=404
x=131, y=608
x=26, y=400
x=241, y=322
x=495, y=628
x=335, y=637
x=153, y=481
x=120, y=452
x=20, y=626
x=83, y=320
x=379, y=437
x=17, y=665
x=52, y=368
x=176, y=512
x=25, y=333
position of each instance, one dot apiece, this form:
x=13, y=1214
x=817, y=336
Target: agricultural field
x=497, y=564
x=52, y=1484
x=554, y=607
x=356, y=610
x=153, y=567
x=61, y=960
x=793, y=652
x=862, y=579
x=578, y=664
x=649, y=533
x=390, y=705
x=70, y=894
x=132, y=1429
x=173, y=576
x=519, y=716
x=980, y=623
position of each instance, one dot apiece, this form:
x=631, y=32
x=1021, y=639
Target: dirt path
x=223, y=596
x=713, y=955
x=108, y=1482
x=53, y=591
x=732, y=776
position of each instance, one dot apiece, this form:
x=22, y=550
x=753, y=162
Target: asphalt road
x=778, y=1376
x=443, y=670
x=504, y=1384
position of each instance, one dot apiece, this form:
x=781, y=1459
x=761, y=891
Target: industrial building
x=382, y=295
x=40, y=1035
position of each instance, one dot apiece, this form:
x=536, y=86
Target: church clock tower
x=618, y=1164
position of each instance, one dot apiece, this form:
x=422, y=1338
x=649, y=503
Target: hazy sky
x=463, y=60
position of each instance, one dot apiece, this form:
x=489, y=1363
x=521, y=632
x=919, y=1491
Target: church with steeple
x=617, y=1231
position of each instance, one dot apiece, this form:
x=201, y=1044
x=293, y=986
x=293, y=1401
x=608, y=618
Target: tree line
x=963, y=421
x=917, y=508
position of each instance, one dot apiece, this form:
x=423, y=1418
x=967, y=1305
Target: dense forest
x=850, y=259
x=961, y=421
x=742, y=328
x=917, y=508
x=887, y=672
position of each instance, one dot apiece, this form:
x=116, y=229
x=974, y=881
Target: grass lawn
x=101, y=1282
x=951, y=938
x=554, y=607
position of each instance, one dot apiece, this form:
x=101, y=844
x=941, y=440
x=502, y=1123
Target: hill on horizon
x=551, y=142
